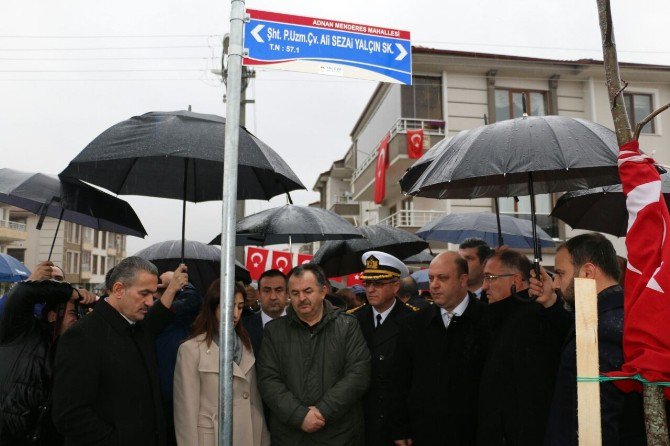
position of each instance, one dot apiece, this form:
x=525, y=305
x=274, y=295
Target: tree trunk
x=654, y=401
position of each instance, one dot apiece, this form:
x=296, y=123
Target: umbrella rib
x=125, y=177
x=565, y=162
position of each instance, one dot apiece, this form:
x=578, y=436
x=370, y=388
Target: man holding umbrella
x=523, y=350
x=106, y=388
x=379, y=323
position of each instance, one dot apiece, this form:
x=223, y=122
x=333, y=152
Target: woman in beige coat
x=196, y=381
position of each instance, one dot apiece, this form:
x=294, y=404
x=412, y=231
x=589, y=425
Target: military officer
x=378, y=320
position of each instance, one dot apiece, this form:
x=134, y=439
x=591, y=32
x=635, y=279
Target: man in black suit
x=523, y=351
x=475, y=251
x=438, y=361
x=106, y=386
x=379, y=323
x=273, y=300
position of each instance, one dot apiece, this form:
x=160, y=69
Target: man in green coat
x=313, y=368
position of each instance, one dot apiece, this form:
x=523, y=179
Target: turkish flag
x=304, y=258
x=415, y=143
x=256, y=261
x=354, y=279
x=283, y=261
x=336, y=279
x=646, y=338
x=380, y=169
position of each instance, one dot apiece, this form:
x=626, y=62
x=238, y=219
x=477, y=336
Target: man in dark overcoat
x=438, y=361
x=523, y=350
x=106, y=388
x=590, y=256
x=379, y=323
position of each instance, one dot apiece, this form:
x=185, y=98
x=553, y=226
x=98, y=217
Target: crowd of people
x=488, y=359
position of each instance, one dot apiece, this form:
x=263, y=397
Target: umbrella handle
x=529, y=299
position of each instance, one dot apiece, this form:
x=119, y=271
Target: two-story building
x=454, y=91
x=84, y=254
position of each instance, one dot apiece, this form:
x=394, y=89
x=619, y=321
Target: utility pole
x=247, y=75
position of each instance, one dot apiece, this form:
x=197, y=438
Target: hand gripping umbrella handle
x=529, y=299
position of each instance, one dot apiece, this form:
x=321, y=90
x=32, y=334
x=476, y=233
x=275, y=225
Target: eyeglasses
x=376, y=283
x=491, y=278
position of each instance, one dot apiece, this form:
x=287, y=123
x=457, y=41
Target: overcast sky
x=71, y=69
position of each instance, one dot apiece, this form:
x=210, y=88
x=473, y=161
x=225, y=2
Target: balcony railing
x=13, y=225
x=429, y=126
x=410, y=219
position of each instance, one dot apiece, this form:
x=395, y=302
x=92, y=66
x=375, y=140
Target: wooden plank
x=588, y=393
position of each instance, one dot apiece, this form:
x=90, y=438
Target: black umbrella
x=342, y=257
x=202, y=261
x=291, y=224
x=70, y=200
x=424, y=257
x=523, y=156
x=495, y=160
x=179, y=155
x=600, y=209
x=417, y=169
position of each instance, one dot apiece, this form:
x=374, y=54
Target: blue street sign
x=295, y=43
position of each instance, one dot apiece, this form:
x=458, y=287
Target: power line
x=500, y=45
x=114, y=48
x=92, y=59
x=107, y=71
x=115, y=36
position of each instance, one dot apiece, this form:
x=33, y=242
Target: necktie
x=447, y=318
x=379, y=321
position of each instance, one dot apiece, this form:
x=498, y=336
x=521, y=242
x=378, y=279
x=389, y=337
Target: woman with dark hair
x=196, y=380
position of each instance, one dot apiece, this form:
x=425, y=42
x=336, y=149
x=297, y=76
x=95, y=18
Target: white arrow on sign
x=401, y=56
x=258, y=38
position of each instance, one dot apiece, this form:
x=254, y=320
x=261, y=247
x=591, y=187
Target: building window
x=639, y=106
x=509, y=103
x=103, y=245
x=18, y=254
x=86, y=261
x=102, y=265
x=96, y=241
x=88, y=236
x=72, y=233
x=72, y=262
x=111, y=262
x=111, y=240
x=21, y=220
x=94, y=263
x=422, y=99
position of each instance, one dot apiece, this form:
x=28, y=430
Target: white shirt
x=265, y=318
x=447, y=316
x=478, y=293
x=123, y=315
x=384, y=314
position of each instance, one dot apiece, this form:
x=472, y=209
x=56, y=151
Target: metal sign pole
x=228, y=217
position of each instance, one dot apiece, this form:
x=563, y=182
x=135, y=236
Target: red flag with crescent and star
x=354, y=279
x=256, y=260
x=283, y=261
x=415, y=143
x=304, y=258
x=380, y=169
x=646, y=337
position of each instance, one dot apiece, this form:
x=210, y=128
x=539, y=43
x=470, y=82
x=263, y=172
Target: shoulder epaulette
x=353, y=310
x=412, y=307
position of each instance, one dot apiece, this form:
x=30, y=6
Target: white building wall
x=387, y=113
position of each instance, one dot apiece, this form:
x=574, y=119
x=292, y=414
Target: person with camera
x=27, y=349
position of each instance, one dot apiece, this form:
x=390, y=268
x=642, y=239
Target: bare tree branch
x=625, y=85
x=640, y=125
